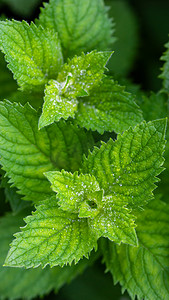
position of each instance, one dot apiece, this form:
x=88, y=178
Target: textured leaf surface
x=115, y=221
x=26, y=153
x=56, y=106
x=33, y=53
x=73, y=190
x=159, y=109
x=76, y=79
x=81, y=25
x=143, y=270
x=82, y=195
x=108, y=108
x=53, y=237
x=83, y=72
x=27, y=284
x=127, y=168
x=165, y=70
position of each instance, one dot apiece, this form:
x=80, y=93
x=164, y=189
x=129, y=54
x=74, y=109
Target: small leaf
x=53, y=237
x=76, y=79
x=114, y=221
x=26, y=153
x=127, y=168
x=56, y=106
x=165, y=70
x=82, y=73
x=82, y=195
x=33, y=53
x=81, y=26
x=73, y=189
x=143, y=270
x=108, y=108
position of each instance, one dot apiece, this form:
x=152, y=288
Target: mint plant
x=80, y=159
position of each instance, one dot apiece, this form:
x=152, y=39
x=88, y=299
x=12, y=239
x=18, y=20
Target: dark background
x=151, y=19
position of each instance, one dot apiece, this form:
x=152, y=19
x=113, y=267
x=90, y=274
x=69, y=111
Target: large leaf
x=106, y=217
x=75, y=79
x=33, y=53
x=127, y=168
x=143, y=270
x=108, y=108
x=53, y=237
x=27, y=284
x=81, y=25
x=26, y=153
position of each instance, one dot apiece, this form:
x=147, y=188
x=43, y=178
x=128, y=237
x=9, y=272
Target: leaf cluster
x=80, y=157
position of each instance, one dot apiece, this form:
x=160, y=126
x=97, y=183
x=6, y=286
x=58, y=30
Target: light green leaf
x=53, y=237
x=82, y=73
x=27, y=284
x=81, y=25
x=56, y=106
x=143, y=270
x=127, y=168
x=165, y=70
x=26, y=153
x=114, y=221
x=108, y=108
x=76, y=79
x=73, y=190
x=33, y=53
x=82, y=195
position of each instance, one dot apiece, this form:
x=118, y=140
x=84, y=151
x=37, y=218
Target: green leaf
x=81, y=26
x=76, y=79
x=143, y=270
x=73, y=190
x=82, y=195
x=26, y=153
x=33, y=53
x=53, y=237
x=56, y=106
x=108, y=108
x=82, y=73
x=165, y=70
x=127, y=168
x=27, y=284
x=114, y=221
